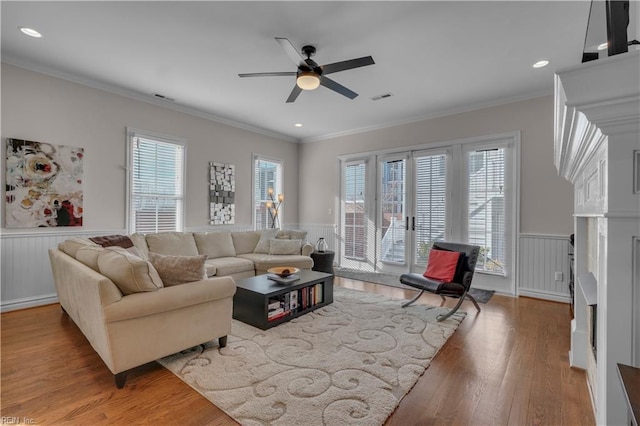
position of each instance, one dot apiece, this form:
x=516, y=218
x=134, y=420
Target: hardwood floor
x=507, y=365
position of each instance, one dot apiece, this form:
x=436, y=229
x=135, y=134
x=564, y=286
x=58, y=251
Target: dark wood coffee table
x=254, y=295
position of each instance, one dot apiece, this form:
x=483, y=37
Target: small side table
x=323, y=261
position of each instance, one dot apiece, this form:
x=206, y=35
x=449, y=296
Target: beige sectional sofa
x=133, y=312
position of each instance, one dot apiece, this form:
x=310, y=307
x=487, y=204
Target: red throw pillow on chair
x=442, y=265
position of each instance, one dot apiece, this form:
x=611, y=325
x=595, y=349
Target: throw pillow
x=113, y=240
x=130, y=273
x=175, y=270
x=442, y=265
x=285, y=246
x=88, y=255
x=287, y=234
x=265, y=239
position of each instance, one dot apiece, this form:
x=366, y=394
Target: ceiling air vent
x=163, y=97
x=383, y=96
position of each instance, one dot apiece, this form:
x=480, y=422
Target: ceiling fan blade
x=268, y=74
x=337, y=87
x=294, y=94
x=295, y=56
x=347, y=65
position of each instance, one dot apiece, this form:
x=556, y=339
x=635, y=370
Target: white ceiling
x=434, y=57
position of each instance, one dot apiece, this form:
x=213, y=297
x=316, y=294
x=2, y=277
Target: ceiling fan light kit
x=308, y=80
x=310, y=75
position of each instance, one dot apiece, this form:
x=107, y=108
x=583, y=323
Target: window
x=487, y=208
x=354, y=210
x=267, y=175
x=155, y=183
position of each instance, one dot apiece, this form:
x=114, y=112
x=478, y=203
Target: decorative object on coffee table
x=222, y=190
x=283, y=271
x=323, y=261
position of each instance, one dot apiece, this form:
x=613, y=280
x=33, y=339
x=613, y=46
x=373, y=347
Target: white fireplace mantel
x=597, y=135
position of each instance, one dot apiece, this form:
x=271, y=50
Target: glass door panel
x=392, y=226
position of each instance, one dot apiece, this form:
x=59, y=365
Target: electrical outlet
x=330, y=212
x=558, y=276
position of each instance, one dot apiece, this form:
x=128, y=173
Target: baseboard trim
x=545, y=296
x=28, y=302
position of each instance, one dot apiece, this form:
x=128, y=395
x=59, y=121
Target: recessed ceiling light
x=298, y=124
x=603, y=46
x=30, y=32
x=540, y=64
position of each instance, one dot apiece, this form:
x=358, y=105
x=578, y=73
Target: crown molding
x=443, y=113
x=142, y=97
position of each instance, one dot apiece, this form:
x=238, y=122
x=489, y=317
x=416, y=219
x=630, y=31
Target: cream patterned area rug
x=350, y=362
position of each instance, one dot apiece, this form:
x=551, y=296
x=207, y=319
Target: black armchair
x=458, y=287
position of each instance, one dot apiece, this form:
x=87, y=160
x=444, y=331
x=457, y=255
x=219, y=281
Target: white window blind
x=354, y=210
x=487, y=208
x=267, y=174
x=156, y=184
x=430, y=202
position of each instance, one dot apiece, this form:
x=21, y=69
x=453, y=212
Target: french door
x=395, y=206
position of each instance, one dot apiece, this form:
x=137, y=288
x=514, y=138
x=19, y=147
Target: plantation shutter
x=157, y=185
x=487, y=208
x=267, y=174
x=430, y=201
x=354, y=211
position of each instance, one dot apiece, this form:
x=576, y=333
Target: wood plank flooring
x=507, y=365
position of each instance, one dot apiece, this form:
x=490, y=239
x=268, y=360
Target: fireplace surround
x=597, y=135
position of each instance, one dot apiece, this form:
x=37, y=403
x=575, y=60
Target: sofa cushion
x=263, y=262
x=88, y=255
x=175, y=270
x=130, y=273
x=139, y=241
x=288, y=234
x=215, y=244
x=285, y=246
x=245, y=242
x=230, y=265
x=265, y=240
x=210, y=268
x=172, y=243
x=71, y=245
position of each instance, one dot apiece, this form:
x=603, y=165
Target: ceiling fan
x=310, y=75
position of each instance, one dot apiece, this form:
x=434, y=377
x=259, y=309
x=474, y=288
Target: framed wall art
x=43, y=184
x=222, y=192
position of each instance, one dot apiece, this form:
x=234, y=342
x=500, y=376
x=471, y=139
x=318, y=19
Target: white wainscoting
x=541, y=256
x=26, y=272
x=26, y=275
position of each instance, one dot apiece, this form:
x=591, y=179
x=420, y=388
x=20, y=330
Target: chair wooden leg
x=405, y=304
x=473, y=300
x=452, y=311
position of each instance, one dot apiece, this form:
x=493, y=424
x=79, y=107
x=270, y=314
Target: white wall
x=546, y=200
x=47, y=109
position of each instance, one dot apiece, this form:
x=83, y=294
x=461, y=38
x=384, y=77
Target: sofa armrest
x=307, y=249
x=169, y=298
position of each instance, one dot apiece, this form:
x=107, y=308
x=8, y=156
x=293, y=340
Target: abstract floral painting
x=43, y=184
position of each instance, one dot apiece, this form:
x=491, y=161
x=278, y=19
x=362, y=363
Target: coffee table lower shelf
x=251, y=301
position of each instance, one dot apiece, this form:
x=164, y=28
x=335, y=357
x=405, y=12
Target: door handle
x=413, y=223
x=406, y=224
